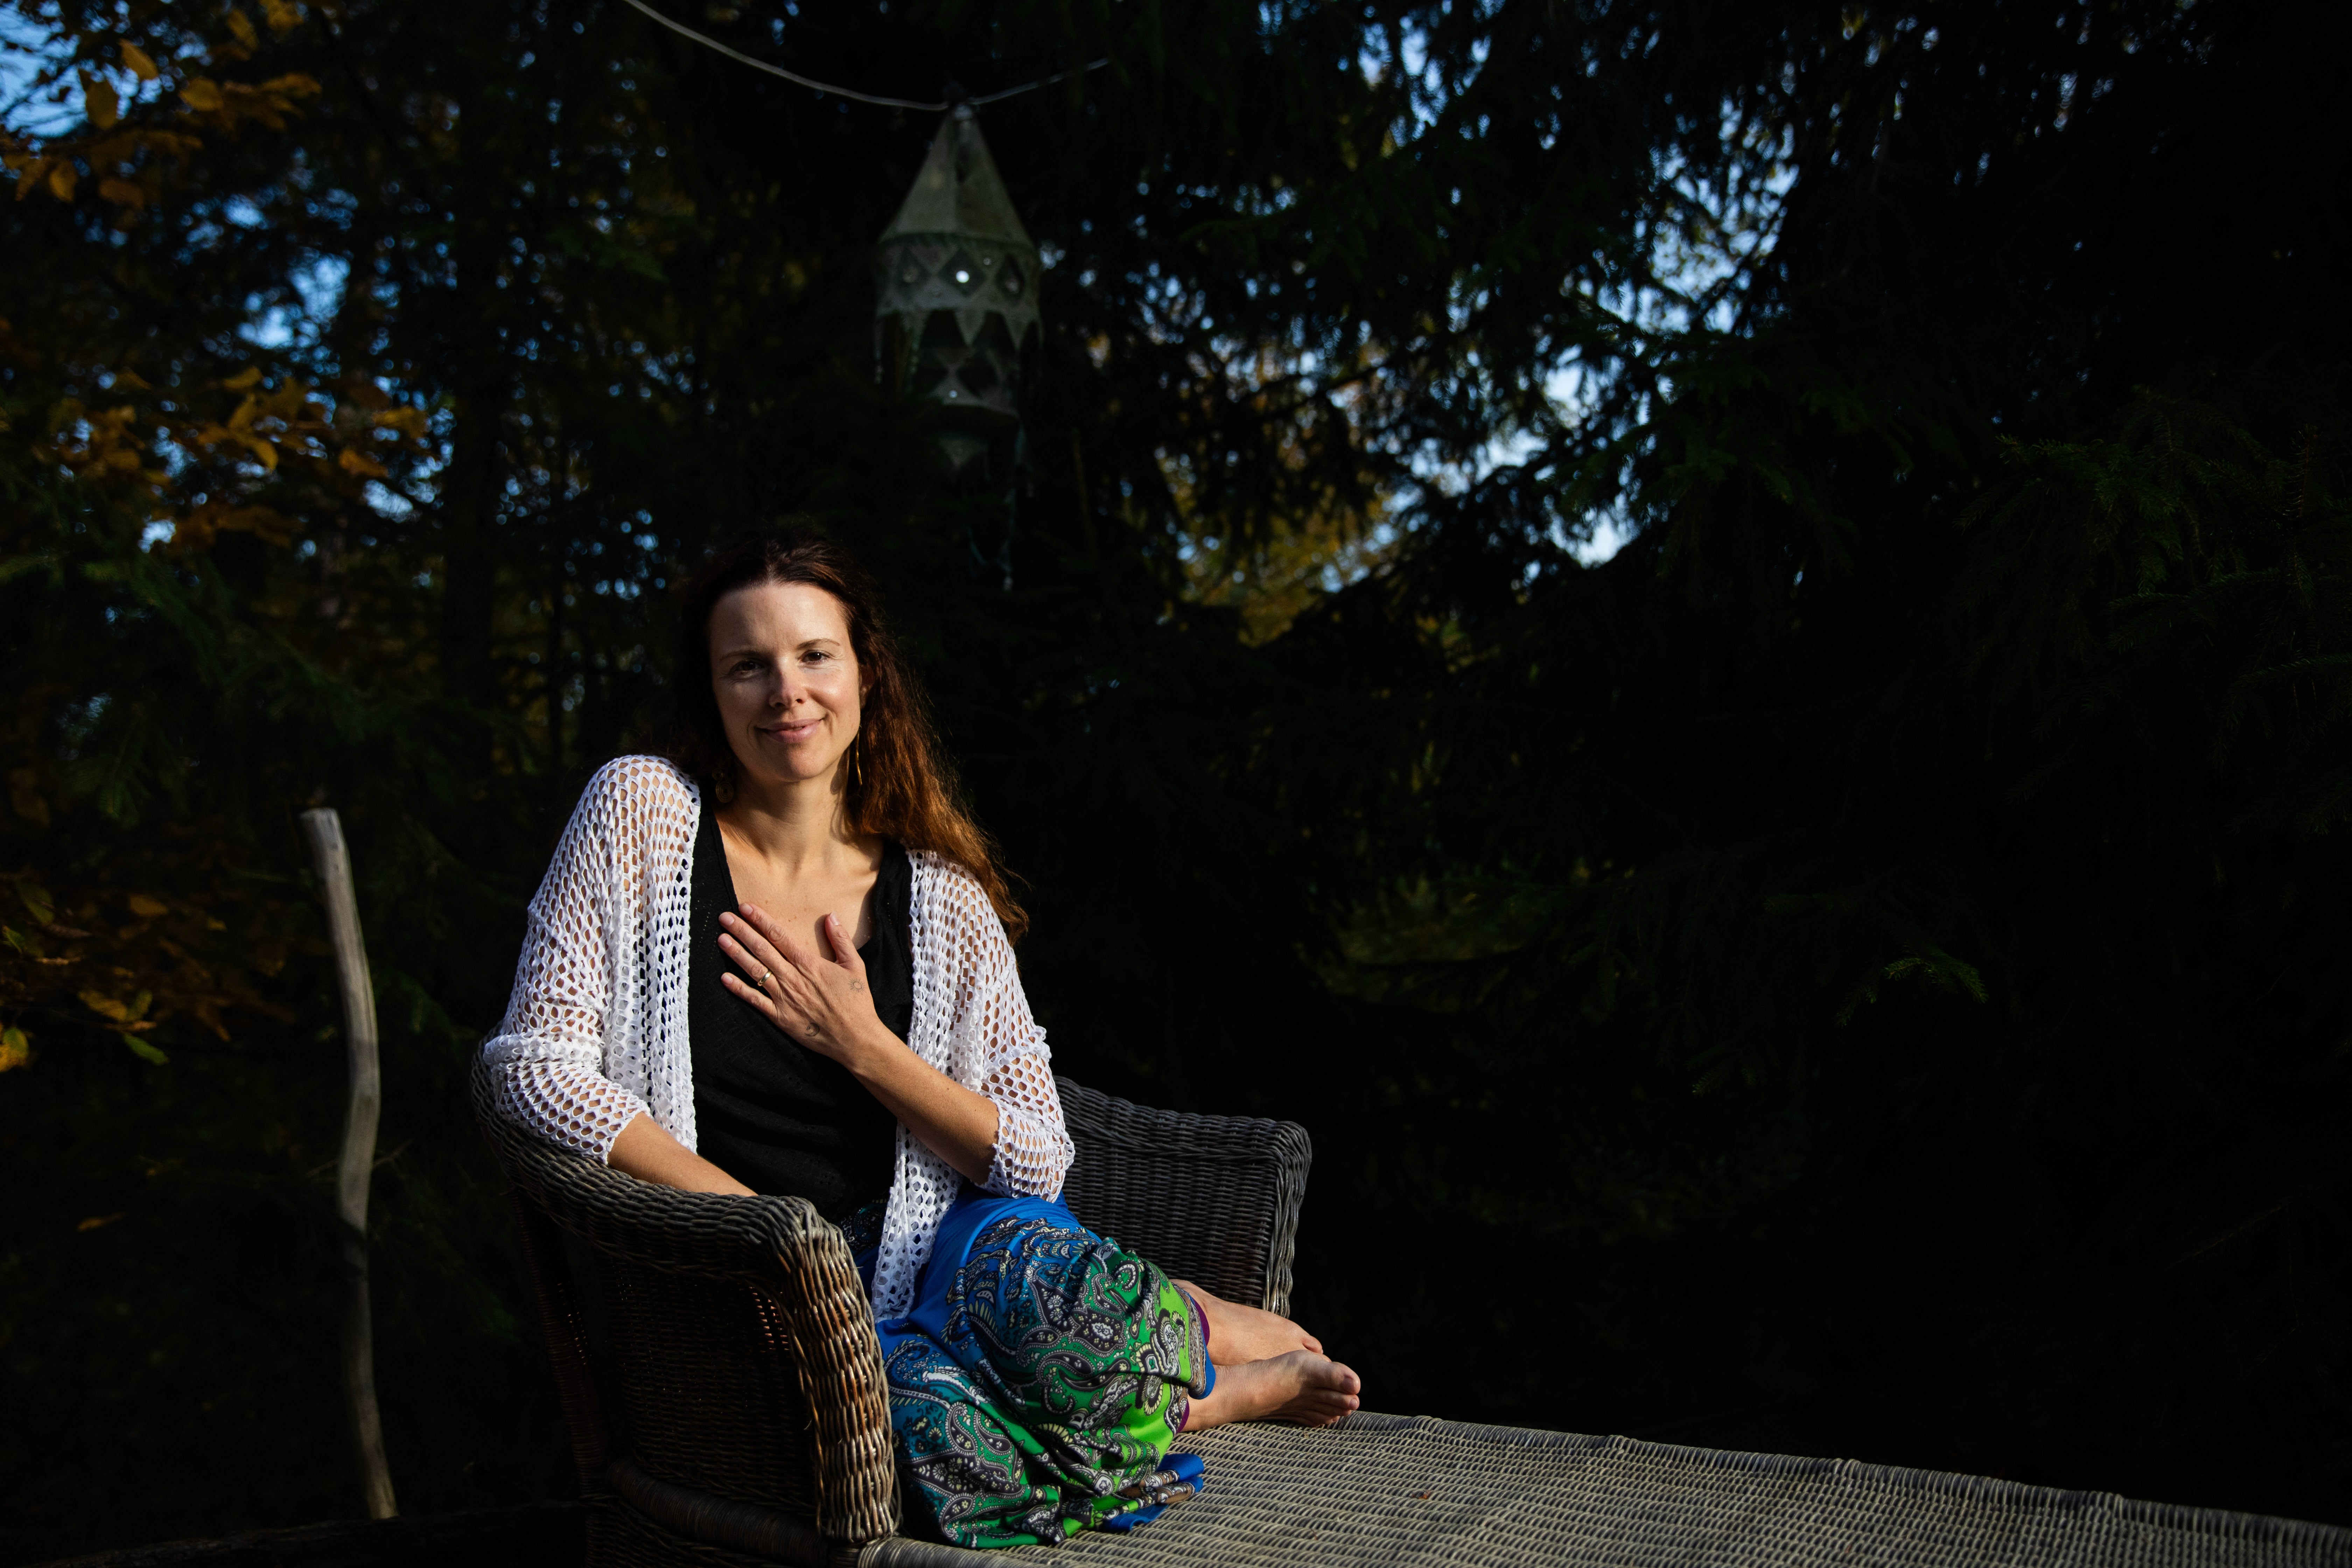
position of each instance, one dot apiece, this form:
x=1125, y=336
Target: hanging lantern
x=955, y=305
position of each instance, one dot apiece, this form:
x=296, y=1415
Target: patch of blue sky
x=40, y=95
x=318, y=288
x=37, y=98
x=1431, y=89
x=387, y=502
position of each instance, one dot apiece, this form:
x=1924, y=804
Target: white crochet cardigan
x=596, y=1030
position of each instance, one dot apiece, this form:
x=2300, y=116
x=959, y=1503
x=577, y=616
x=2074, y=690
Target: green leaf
x=144, y=1050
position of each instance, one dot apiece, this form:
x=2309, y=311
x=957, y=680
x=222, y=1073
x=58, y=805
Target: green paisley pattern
x=1067, y=1367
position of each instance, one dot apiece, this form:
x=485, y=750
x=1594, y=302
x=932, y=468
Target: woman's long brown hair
x=899, y=788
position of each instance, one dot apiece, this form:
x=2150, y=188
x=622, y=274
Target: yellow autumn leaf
x=140, y=904
x=99, y=101
x=97, y=1221
x=204, y=94
x=129, y=380
x=15, y=1049
x=106, y=1007
x=243, y=379
x=123, y=192
x=281, y=17
x=360, y=465
x=136, y=60
x=62, y=176
x=243, y=29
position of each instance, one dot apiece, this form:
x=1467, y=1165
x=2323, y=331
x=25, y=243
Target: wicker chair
x=717, y=1359
x=718, y=1369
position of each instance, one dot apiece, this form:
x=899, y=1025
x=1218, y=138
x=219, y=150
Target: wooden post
x=333, y=860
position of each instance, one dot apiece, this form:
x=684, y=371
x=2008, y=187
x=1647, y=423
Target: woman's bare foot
x=1239, y=1333
x=1303, y=1387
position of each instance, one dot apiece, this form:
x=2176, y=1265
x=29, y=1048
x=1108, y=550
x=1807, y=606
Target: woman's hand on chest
x=821, y=998
x=795, y=935
x=818, y=996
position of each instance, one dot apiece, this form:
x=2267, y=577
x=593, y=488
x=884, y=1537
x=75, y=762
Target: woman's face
x=787, y=679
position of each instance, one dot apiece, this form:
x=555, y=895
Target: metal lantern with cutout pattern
x=955, y=309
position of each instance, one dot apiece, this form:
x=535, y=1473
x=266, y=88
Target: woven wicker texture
x=1213, y=1199
x=735, y=1336
x=721, y=1349
x=566, y=1330
x=1408, y=1491
x=621, y=1537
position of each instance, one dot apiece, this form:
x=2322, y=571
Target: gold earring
x=857, y=768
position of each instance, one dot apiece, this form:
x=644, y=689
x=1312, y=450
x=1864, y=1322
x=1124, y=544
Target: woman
x=779, y=960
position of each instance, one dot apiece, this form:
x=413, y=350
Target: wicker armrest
x=733, y=1325
x=1214, y=1199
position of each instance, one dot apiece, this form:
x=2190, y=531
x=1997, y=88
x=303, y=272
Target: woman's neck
x=794, y=825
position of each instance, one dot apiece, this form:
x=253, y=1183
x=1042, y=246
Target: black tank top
x=773, y=1114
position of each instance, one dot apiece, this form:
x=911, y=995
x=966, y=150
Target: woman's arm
x=1033, y=1143
x=956, y=1123
x=645, y=1149
x=824, y=1003
x=548, y=1056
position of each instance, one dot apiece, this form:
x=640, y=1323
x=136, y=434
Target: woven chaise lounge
x=719, y=1368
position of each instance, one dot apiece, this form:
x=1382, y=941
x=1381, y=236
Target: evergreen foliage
x=1855, y=972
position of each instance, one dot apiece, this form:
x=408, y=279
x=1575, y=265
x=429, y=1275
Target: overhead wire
x=851, y=93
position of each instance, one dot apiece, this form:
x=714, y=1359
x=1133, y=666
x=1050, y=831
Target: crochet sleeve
x=1032, y=1146
x=549, y=1053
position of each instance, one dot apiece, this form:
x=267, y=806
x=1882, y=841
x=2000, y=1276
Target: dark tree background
x=1855, y=971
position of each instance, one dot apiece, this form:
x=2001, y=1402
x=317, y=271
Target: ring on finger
x=762, y=981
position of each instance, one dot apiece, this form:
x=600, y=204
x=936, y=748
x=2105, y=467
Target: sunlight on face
x=786, y=681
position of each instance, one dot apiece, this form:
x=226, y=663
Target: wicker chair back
x=1214, y=1199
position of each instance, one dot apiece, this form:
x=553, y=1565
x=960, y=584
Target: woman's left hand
x=820, y=1001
